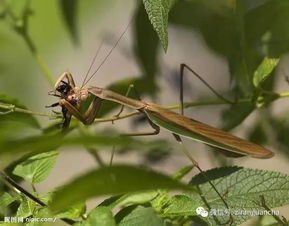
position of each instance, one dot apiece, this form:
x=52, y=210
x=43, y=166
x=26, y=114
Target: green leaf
x=229, y=25
x=214, y=20
x=72, y=212
x=111, y=180
x=45, y=143
x=242, y=189
x=7, y=104
x=36, y=168
x=145, y=46
x=182, y=172
x=99, y=216
x=264, y=70
x=5, y=200
x=181, y=205
x=134, y=198
x=280, y=128
x=258, y=133
x=43, y=212
x=144, y=216
x=268, y=221
x=161, y=200
x=236, y=114
x=26, y=208
x=158, y=13
x=69, y=13
x=267, y=24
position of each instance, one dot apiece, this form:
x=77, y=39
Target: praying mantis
x=71, y=99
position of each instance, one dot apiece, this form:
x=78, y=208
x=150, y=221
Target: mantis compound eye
x=63, y=88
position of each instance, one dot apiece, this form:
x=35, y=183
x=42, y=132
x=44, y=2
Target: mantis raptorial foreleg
x=69, y=78
x=88, y=117
x=92, y=110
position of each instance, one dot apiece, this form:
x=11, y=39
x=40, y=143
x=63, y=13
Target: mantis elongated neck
x=115, y=97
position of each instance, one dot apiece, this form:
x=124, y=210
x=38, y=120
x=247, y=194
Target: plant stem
x=12, y=108
x=277, y=218
x=8, y=180
x=285, y=94
x=96, y=156
x=20, y=26
x=39, y=60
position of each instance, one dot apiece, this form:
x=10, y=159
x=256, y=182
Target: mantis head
x=63, y=88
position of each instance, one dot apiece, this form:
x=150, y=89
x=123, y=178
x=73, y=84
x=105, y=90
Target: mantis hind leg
x=195, y=164
x=182, y=68
x=179, y=140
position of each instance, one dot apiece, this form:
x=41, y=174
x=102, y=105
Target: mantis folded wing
x=198, y=131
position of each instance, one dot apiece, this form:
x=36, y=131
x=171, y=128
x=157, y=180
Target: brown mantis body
x=71, y=98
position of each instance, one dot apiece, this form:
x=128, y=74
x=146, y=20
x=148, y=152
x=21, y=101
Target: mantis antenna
x=92, y=63
x=109, y=53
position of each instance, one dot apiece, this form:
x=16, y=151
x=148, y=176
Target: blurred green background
x=224, y=40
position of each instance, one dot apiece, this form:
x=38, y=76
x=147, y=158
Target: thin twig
x=8, y=107
x=22, y=31
x=277, y=218
x=96, y=156
x=12, y=183
x=112, y=155
x=38, y=58
x=12, y=108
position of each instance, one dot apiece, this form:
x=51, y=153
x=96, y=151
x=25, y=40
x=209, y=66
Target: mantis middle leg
x=155, y=127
